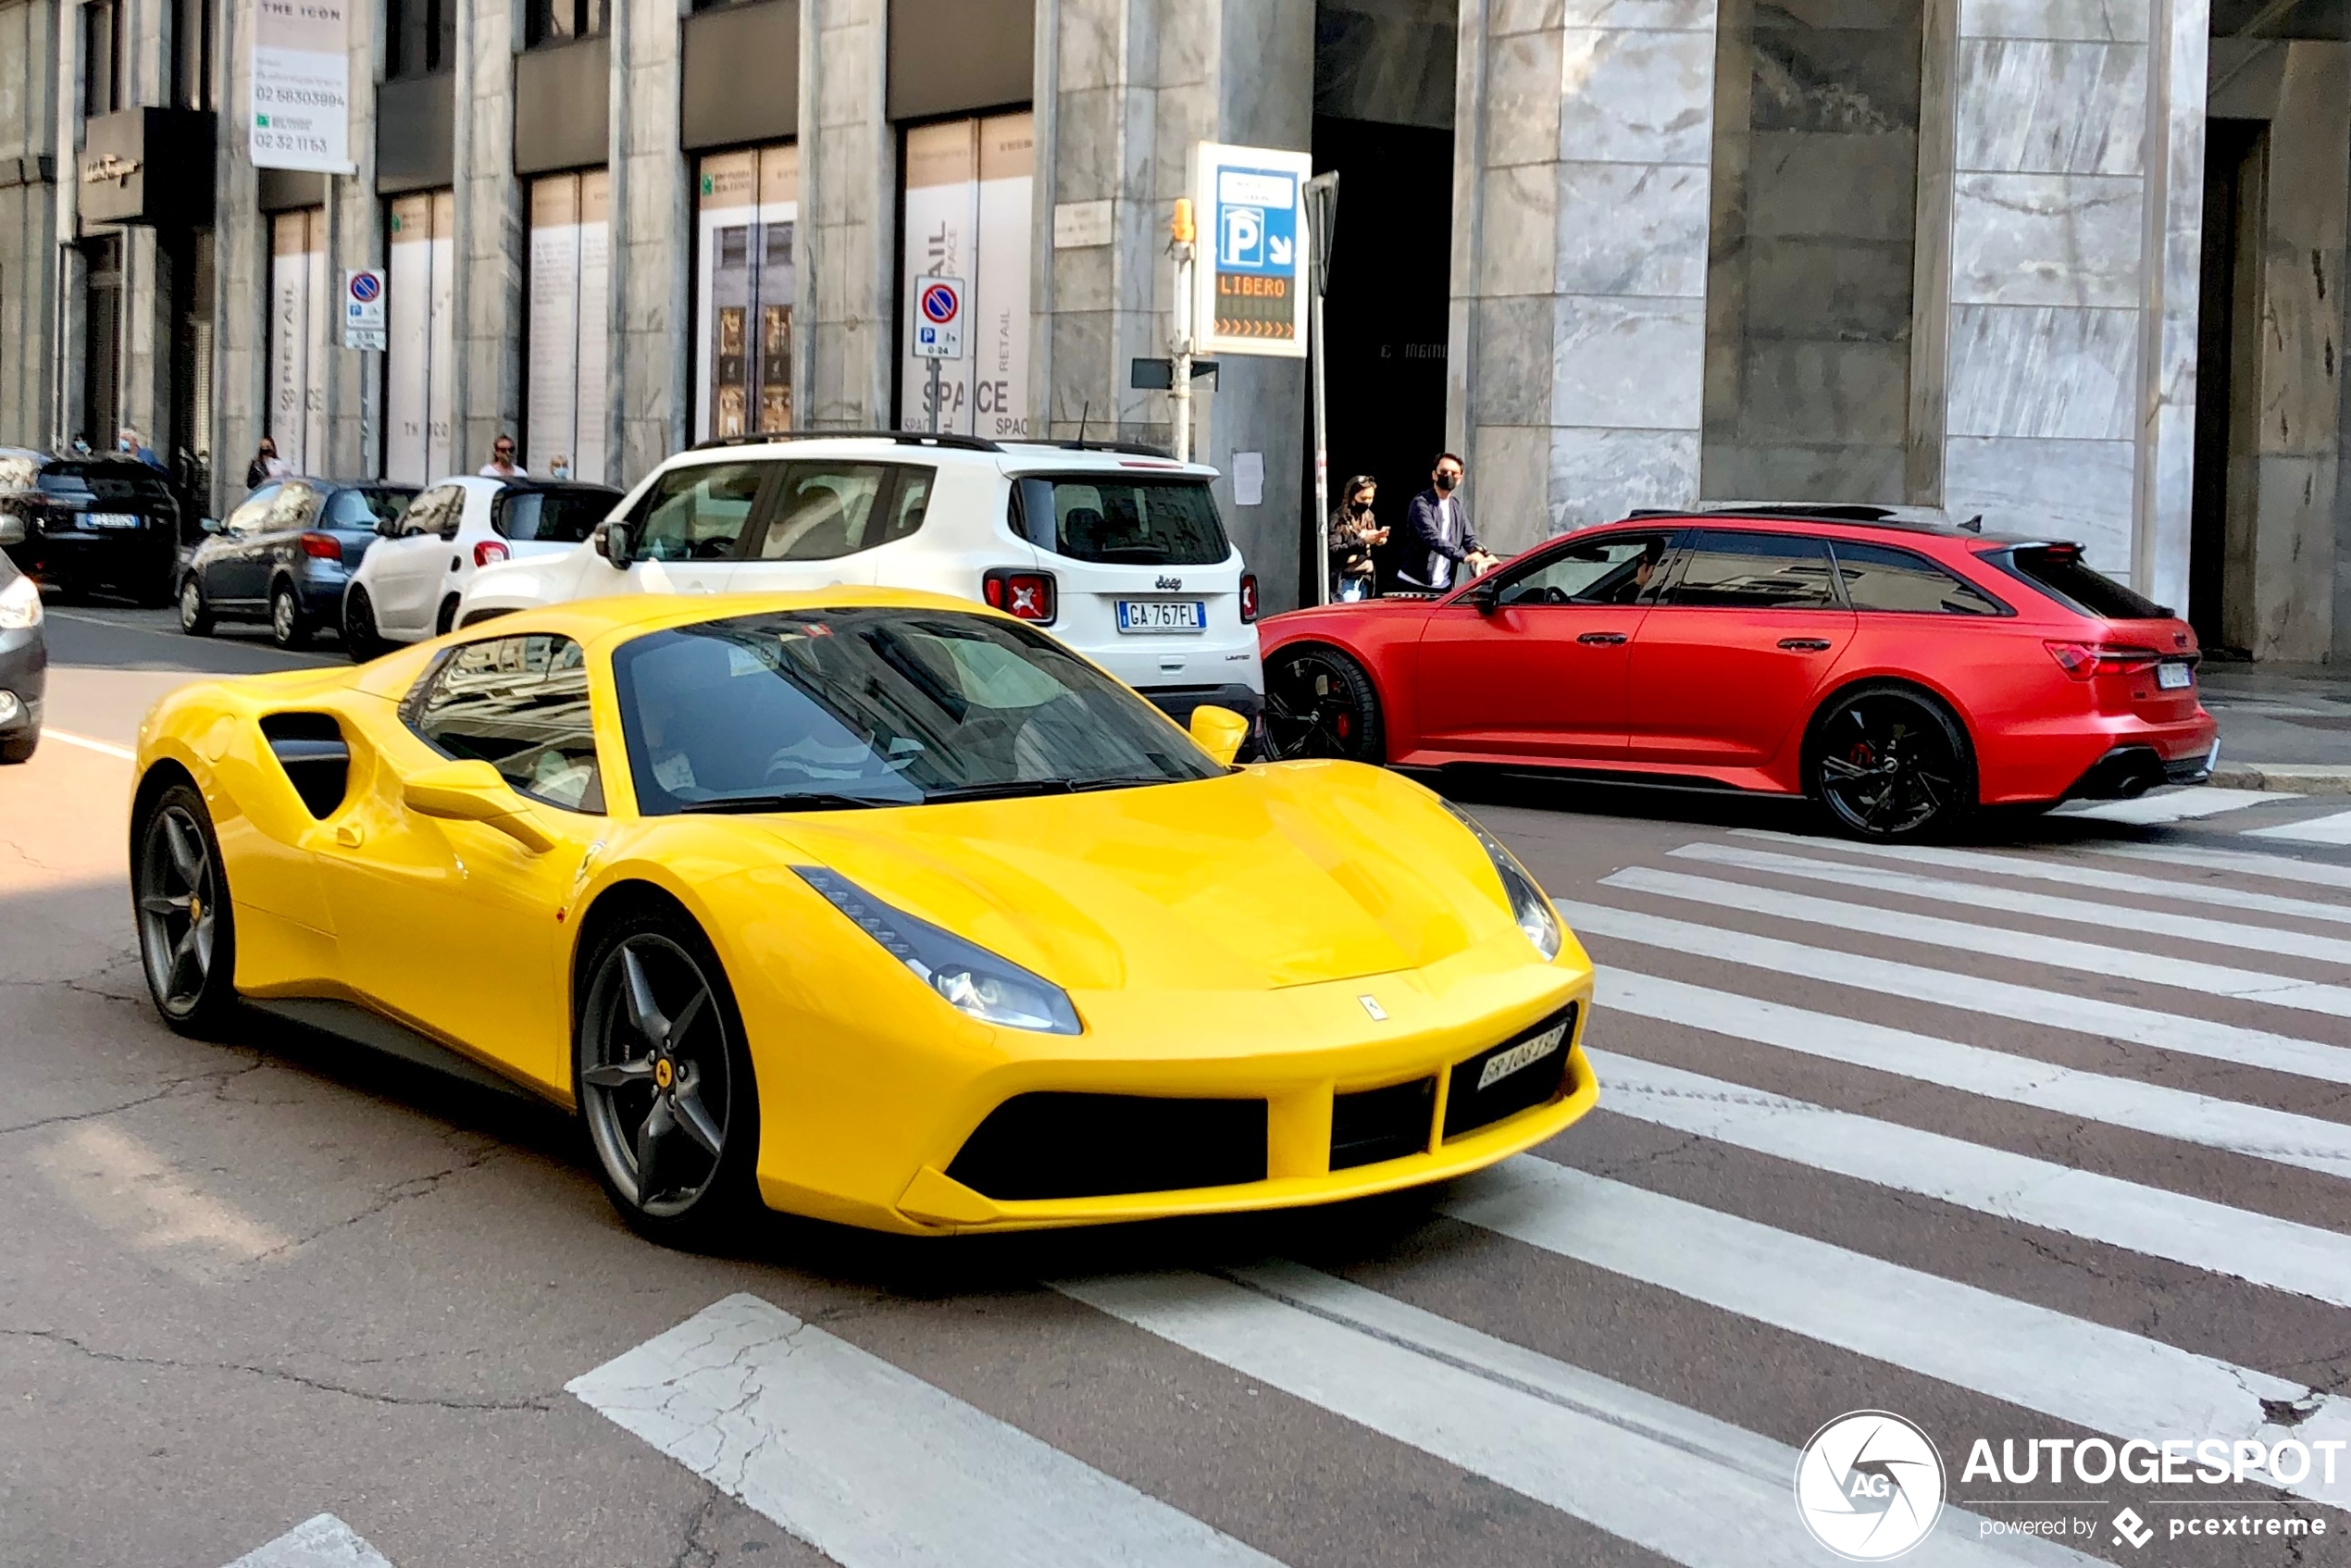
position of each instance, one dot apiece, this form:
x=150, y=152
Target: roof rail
x=904, y=437
x=1818, y=511
x=1126, y=448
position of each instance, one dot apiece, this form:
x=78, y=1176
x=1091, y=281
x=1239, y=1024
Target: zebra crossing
x=2130, y=1090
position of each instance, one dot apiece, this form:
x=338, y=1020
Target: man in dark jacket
x=1442, y=542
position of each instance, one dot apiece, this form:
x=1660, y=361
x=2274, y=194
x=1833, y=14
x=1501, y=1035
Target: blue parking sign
x=1253, y=250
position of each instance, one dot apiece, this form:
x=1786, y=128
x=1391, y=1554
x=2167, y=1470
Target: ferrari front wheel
x=187, y=931
x=1320, y=703
x=664, y=1080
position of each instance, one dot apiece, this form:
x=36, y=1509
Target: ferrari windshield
x=823, y=709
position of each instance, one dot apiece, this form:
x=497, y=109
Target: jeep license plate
x=1163, y=615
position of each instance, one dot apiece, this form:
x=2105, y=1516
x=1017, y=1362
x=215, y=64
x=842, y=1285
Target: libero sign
x=301, y=109
x=1251, y=280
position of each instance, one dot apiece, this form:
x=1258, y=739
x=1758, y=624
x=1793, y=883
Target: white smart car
x=1119, y=551
x=408, y=584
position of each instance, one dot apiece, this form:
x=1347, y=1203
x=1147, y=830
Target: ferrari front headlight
x=20, y=605
x=992, y=990
x=1529, y=906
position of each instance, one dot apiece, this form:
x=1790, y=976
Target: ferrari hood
x=1272, y=876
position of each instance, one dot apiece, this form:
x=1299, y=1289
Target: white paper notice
x=301, y=85
x=1249, y=479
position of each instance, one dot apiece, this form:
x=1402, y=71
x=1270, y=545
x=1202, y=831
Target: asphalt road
x=2044, y=1139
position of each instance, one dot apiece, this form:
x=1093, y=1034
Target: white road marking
x=2103, y=1379
x=123, y=1185
x=2172, y=805
x=870, y=1464
x=1684, y=1485
x=2332, y=830
x=2031, y=947
x=2018, y=901
x=2254, y=1130
x=2001, y=999
x=103, y=748
x=2278, y=867
x=2071, y=873
x=2239, y=1243
x=320, y=1541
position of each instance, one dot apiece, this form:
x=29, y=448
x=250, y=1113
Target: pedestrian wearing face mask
x=127, y=442
x=559, y=467
x=1355, y=533
x=1442, y=542
x=265, y=464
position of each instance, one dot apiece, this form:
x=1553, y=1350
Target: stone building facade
x=1976, y=254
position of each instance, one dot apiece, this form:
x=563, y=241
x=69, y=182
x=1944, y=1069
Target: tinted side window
x=824, y=510
x=697, y=513
x=1879, y=579
x=1755, y=571
x=433, y=511
x=364, y=508
x=1606, y=571
x=550, y=516
x=296, y=506
x=2059, y=571
x=519, y=704
x=909, y=504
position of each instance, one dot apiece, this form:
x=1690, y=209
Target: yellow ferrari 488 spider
x=873, y=906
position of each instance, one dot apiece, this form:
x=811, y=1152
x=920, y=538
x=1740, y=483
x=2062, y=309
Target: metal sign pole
x=934, y=397
x=1322, y=216
x=1180, y=393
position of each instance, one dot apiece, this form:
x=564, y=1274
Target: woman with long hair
x=1355, y=533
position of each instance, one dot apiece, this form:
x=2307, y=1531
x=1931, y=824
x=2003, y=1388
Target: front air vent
x=1053, y=1145
x=1524, y=1071
x=311, y=749
x=1381, y=1123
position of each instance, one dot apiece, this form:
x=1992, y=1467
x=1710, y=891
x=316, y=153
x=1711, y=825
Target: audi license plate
x=110, y=519
x=1163, y=615
x=2173, y=676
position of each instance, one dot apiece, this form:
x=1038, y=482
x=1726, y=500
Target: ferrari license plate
x=1526, y=1053
x=1163, y=615
x=110, y=519
x=2173, y=676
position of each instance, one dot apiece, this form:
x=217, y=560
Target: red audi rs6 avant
x=1899, y=674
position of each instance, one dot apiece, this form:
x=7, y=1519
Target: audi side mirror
x=1483, y=596
x=614, y=543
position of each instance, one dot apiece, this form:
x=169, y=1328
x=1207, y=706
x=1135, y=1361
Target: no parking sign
x=938, y=317
x=363, y=308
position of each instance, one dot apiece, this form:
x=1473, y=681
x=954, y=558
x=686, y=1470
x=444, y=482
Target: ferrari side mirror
x=1219, y=732
x=473, y=792
x=614, y=543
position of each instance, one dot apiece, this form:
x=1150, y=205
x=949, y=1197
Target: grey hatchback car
x=24, y=656
x=283, y=553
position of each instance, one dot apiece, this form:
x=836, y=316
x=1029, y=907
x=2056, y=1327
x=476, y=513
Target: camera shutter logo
x=1868, y=1486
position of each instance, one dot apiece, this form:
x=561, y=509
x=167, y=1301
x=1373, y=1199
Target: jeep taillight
x=1022, y=593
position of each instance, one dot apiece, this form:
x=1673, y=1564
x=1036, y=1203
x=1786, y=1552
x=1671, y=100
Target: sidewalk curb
x=2287, y=778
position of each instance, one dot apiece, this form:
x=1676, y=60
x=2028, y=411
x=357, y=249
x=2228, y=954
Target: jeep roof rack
x=948, y=438
x=1123, y=448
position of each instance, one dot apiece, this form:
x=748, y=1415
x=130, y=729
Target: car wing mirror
x=1484, y=596
x=388, y=528
x=473, y=792
x=614, y=542
x=209, y=524
x=11, y=529
x=1219, y=732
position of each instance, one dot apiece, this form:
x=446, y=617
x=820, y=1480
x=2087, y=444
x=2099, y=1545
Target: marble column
x=486, y=388
x=28, y=222
x=2070, y=274
x=356, y=238
x=652, y=239
x=240, y=274
x=847, y=201
x=1130, y=86
x=1577, y=372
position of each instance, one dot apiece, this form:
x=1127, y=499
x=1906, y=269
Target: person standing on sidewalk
x=1355, y=533
x=501, y=461
x=1441, y=536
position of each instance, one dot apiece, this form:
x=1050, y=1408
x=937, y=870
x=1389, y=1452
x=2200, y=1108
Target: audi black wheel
x=664, y=1081
x=187, y=931
x=1888, y=762
x=1320, y=703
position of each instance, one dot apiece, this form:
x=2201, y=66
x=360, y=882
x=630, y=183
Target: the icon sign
x=363, y=308
x=1868, y=1486
x=938, y=317
x=1251, y=280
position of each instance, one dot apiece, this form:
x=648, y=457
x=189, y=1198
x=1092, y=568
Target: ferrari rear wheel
x=1888, y=762
x=665, y=1081
x=187, y=930
x=1320, y=703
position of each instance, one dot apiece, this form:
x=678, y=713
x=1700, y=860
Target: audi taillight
x=1249, y=597
x=1020, y=593
x=2088, y=661
x=322, y=546
x=489, y=552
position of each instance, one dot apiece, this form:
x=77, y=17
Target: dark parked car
x=284, y=553
x=92, y=522
x=24, y=657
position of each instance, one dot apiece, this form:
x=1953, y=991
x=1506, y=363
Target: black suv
x=96, y=521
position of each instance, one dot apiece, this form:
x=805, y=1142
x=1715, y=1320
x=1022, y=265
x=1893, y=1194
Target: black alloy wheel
x=446, y=622
x=187, y=931
x=664, y=1082
x=289, y=628
x=195, y=616
x=360, y=638
x=1888, y=762
x=1320, y=703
